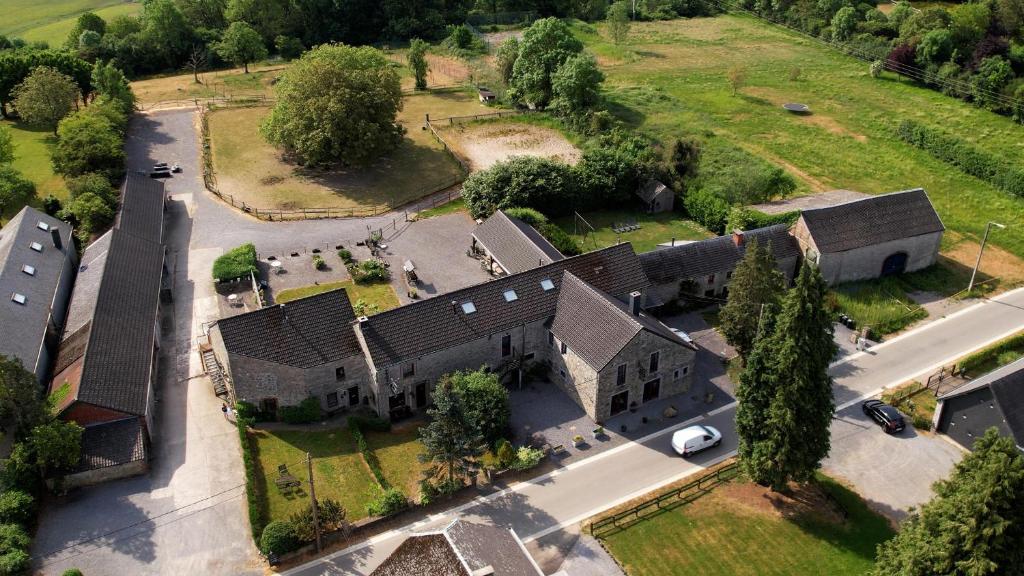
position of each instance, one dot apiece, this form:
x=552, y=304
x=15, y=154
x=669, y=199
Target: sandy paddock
x=483, y=145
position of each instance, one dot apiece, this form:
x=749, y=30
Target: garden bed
x=380, y=294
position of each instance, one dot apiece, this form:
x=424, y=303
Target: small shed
x=656, y=197
x=486, y=95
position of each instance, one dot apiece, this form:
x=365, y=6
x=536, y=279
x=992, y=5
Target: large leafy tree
x=87, y=22
x=15, y=189
x=166, y=31
x=795, y=435
x=451, y=441
x=756, y=285
x=111, y=84
x=545, y=46
x=57, y=446
x=523, y=181
x=576, y=85
x=241, y=45
x=618, y=21
x=485, y=400
x=266, y=16
x=417, y=59
x=975, y=523
x=45, y=97
x=505, y=58
x=20, y=400
x=88, y=142
x=337, y=104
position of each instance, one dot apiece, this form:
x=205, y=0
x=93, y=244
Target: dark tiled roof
x=516, y=245
x=714, y=255
x=422, y=555
x=142, y=207
x=435, y=324
x=649, y=191
x=872, y=221
x=112, y=443
x=596, y=326
x=461, y=549
x=119, y=353
x=87, y=284
x=1007, y=385
x=303, y=333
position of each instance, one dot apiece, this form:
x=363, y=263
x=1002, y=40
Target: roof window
x=547, y=284
x=36, y=246
x=29, y=269
x=511, y=296
x=468, y=307
x=18, y=298
x=43, y=226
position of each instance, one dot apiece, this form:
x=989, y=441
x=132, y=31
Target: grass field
x=56, y=32
x=881, y=304
x=381, y=294
x=669, y=80
x=738, y=530
x=654, y=229
x=338, y=469
x=32, y=159
x=230, y=82
x=397, y=452
x=457, y=205
x=254, y=172
x=20, y=16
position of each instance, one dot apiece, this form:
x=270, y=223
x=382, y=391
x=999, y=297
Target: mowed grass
x=55, y=33
x=20, y=16
x=232, y=82
x=397, y=451
x=338, y=469
x=32, y=158
x=881, y=304
x=254, y=172
x=381, y=293
x=654, y=229
x=457, y=205
x=669, y=80
x=719, y=535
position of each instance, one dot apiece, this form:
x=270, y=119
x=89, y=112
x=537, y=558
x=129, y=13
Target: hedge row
x=257, y=519
x=235, y=263
x=307, y=411
x=986, y=357
x=961, y=154
x=750, y=219
x=355, y=424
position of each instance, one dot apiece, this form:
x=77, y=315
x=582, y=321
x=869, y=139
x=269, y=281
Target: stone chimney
x=634, y=303
x=737, y=238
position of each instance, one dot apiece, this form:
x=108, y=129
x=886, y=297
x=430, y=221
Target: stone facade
x=100, y=475
x=712, y=285
x=867, y=262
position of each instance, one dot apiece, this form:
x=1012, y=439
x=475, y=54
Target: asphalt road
x=569, y=495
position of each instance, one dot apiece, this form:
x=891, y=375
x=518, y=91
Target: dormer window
x=36, y=246
x=511, y=296
x=468, y=307
x=30, y=270
x=547, y=284
x=43, y=226
x=18, y=298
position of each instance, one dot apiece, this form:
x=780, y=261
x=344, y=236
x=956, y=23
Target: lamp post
x=988, y=228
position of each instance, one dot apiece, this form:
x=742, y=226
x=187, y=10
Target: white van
x=691, y=440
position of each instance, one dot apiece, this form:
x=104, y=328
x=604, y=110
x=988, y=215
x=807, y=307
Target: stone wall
x=675, y=369
x=712, y=285
x=100, y=475
x=866, y=263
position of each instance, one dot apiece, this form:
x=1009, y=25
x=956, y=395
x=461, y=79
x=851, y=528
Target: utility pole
x=312, y=499
x=984, y=241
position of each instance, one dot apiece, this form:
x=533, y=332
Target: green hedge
x=750, y=219
x=354, y=426
x=307, y=411
x=235, y=263
x=257, y=516
x=559, y=238
x=988, y=359
x=964, y=156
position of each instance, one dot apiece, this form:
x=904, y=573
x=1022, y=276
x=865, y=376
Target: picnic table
x=285, y=480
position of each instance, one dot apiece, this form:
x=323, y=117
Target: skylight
x=18, y=298
x=547, y=284
x=511, y=296
x=28, y=269
x=36, y=246
x=43, y=225
x=468, y=307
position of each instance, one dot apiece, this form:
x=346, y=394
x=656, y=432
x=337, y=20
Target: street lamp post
x=988, y=228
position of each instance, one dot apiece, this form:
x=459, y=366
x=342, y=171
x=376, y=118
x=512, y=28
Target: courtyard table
x=277, y=266
x=233, y=299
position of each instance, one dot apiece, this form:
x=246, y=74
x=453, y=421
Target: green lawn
x=397, y=452
x=19, y=16
x=338, y=469
x=669, y=80
x=381, y=294
x=721, y=535
x=915, y=401
x=32, y=159
x=56, y=32
x=457, y=205
x=654, y=229
x=881, y=304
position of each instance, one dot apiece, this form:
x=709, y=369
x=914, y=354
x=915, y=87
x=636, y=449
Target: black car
x=887, y=417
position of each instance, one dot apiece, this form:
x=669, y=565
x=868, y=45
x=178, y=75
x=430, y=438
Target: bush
x=559, y=238
x=318, y=262
x=750, y=219
x=330, y=513
x=430, y=491
x=92, y=183
x=386, y=502
x=13, y=537
x=505, y=453
x=279, y=537
x=92, y=213
x=707, y=208
x=235, y=263
x=369, y=271
x=527, y=458
x=371, y=423
x=526, y=181
x=987, y=359
x=16, y=507
x=71, y=572
x=485, y=401
x=345, y=256
x=246, y=410
x=257, y=518
x=307, y=411
x=612, y=170
x=13, y=562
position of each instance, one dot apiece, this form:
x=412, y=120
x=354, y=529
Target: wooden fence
x=452, y=120
x=209, y=102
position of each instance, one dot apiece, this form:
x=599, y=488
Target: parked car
x=175, y=168
x=689, y=441
x=886, y=416
x=164, y=172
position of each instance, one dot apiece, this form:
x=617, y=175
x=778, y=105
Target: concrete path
x=549, y=504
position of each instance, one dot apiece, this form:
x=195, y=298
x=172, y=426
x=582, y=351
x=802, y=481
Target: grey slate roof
x=303, y=333
x=649, y=191
x=24, y=325
x=597, y=326
x=431, y=325
x=87, y=284
x=142, y=207
x=516, y=245
x=461, y=549
x=714, y=255
x=1007, y=385
x=872, y=221
x=112, y=444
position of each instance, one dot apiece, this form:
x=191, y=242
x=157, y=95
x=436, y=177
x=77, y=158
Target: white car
x=689, y=441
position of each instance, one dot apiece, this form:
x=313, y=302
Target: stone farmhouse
x=570, y=316
x=106, y=367
x=995, y=399
x=37, y=271
x=873, y=237
x=509, y=246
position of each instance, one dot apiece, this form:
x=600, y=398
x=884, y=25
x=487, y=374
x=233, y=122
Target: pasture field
x=56, y=32
x=21, y=16
x=32, y=159
x=669, y=80
x=231, y=82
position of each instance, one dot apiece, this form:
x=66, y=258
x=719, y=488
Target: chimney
x=737, y=238
x=55, y=234
x=634, y=303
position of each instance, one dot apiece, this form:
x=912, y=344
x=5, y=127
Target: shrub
x=71, y=572
x=307, y=411
x=988, y=358
x=386, y=502
x=279, y=537
x=246, y=410
x=485, y=401
x=505, y=453
x=707, y=208
x=92, y=183
x=371, y=423
x=16, y=507
x=257, y=517
x=330, y=514
x=318, y=262
x=750, y=219
x=14, y=537
x=527, y=458
x=369, y=271
x=345, y=256
x=539, y=183
x=235, y=263
x=559, y=238
x=13, y=562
